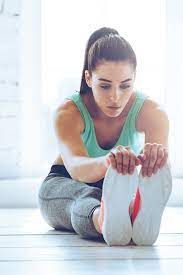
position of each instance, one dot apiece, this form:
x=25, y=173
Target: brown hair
x=105, y=44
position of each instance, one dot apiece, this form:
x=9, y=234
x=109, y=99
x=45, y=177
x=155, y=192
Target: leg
x=95, y=218
x=68, y=204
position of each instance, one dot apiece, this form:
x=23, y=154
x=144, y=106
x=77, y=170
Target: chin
x=116, y=115
x=113, y=113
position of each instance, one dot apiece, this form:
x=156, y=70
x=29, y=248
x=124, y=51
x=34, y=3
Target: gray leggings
x=68, y=204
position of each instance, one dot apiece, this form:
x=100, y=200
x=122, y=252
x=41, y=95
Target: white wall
x=10, y=92
x=33, y=114
x=21, y=110
x=174, y=75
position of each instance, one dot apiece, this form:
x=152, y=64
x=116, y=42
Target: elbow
x=75, y=173
x=84, y=177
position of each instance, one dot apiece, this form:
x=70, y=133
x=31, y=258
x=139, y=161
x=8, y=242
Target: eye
x=125, y=87
x=105, y=87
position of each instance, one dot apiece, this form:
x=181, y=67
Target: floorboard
x=29, y=246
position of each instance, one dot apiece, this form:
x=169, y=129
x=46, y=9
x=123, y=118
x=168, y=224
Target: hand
x=155, y=158
x=123, y=159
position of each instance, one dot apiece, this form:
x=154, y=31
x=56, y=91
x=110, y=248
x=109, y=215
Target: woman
x=99, y=129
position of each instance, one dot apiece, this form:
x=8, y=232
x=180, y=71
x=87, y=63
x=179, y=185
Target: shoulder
x=68, y=110
x=151, y=115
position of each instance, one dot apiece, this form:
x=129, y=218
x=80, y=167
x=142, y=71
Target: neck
x=96, y=112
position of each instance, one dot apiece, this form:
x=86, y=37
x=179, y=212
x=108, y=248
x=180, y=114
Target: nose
x=114, y=96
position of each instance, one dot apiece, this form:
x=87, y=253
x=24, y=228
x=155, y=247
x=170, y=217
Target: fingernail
x=149, y=174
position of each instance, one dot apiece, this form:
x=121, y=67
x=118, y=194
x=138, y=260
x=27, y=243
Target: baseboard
x=23, y=193
x=19, y=192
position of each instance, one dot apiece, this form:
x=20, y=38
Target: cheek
x=103, y=97
x=100, y=99
x=98, y=94
x=97, y=90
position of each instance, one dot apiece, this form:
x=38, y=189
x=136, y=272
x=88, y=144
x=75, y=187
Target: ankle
x=95, y=218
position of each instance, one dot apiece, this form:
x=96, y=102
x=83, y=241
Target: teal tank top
x=129, y=136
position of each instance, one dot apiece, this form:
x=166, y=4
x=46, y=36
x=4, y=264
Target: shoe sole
x=154, y=194
x=118, y=191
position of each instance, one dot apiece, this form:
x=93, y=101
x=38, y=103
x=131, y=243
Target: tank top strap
x=77, y=99
x=132, y=118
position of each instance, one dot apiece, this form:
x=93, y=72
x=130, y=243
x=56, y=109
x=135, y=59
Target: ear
x=88, y=78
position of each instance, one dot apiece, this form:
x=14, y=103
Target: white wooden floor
x=29, y=246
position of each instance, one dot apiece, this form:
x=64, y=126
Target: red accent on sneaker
x=136, y=206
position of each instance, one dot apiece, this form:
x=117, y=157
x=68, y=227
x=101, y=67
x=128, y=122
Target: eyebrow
x=103, y=79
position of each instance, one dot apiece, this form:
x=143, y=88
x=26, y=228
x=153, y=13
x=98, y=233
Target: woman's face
x=112, y=85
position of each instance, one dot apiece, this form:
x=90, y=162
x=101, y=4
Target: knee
x=43, y=207
x=55, y=215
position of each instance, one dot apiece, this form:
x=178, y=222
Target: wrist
x=106, y=161
x=104, y=164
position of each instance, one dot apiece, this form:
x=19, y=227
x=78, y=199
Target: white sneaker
x=154, y=194
x=117, y=193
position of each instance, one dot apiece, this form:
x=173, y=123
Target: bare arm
x=68, y=127
x=155, y=124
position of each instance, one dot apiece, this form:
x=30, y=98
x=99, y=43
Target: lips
x=114, y=107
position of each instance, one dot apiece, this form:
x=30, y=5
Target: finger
x=132, y=163
x=119, y=160
x=112, y=160
x=119, y=148
x=159, y=159
x=153, y=158
x=133, y=160
x=125, y=161
x=147, y=152
x=164, y=160
x=128, y=148
x=141, y=157
x=139, y=160
x=118, y=157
